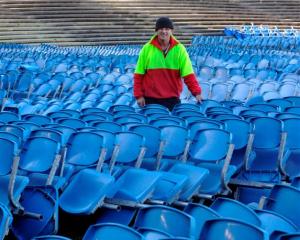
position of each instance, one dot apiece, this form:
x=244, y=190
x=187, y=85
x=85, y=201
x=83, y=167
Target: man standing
x=162, y=63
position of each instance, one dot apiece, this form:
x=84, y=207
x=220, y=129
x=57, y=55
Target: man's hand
x=141, y=101
x=198, y=98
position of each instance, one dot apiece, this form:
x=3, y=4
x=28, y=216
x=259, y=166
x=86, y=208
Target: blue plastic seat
x=201, y=214
x=209, y=103
x=219, y=91
x=225, y=116
x=289, y=164
x=86, y=150
x=165, y=220
x=203, y=124
x=284, y=200
x=184, y=113
x=275, y=224
x=222, y=228
x=153, y=143
x=267, y=137
x=293, y=109
x=281, y=103
x=192, y=119
x=73, y=113
x=11, y=184
x=16, y=130
x=176, y=141
x=170, y=184
x=218, y=110
x=241, y=135
x=212, y=149
x=112, y=231
x=252, y=113
x=39, y=160
x=154, y=108
x=294, y=99
x=265, y=107
x=38, y=119
x=94, y=187
x=72, y=122
x=229, y=208
x=182, y=180
x=108, y=125
x=8, y=116
x=163, y=121
x=134, y=184
x=186, y=106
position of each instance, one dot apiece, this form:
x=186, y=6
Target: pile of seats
x=75, y=142
x=243, y=31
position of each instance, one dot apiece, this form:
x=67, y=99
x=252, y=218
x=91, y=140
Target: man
x=162, y=64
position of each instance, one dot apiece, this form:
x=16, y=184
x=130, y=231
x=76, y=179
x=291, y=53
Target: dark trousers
x=167, y=102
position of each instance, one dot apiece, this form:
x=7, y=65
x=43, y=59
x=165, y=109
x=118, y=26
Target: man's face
x=164, y=34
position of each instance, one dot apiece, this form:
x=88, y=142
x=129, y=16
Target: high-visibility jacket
x=160, y=76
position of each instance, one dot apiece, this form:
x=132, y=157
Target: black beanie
x=163, y=22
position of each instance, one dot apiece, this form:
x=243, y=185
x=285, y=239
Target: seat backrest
x=175, y=138
x=219, y=91
x=166, y=219
x=221, y=228
x=14, y=129
x=265, y=107
x=204, y=124
x=229, y=208
x=130, y=144
x=274, y=223
x=12, y=137
x=210, y=145
x=84, y=148
x=183, y=113
x=92, y=117
x=292, y=127
x=240, y=131
x=72, y=122
x=38, y=119
x=116, y=108
x=64, y=130
x=281, y=103
x=294, y=99
x=293, y=109
x=8, y=116
x=285, y=201
x=267, y=132
x=218, y=109
x=10, y=150
x=108, y=141
x=201, y=213
x=54, y=134
x=152, y=137
x=163, y=121
x=38, y=154
x=186, y=106
x=109, y=126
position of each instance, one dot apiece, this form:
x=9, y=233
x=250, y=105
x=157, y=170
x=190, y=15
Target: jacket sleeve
x=138, y=85
x=192, y=84
x=139, y=75
x=187, y=72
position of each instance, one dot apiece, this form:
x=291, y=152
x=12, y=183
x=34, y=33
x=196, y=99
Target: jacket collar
x=154, y=42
